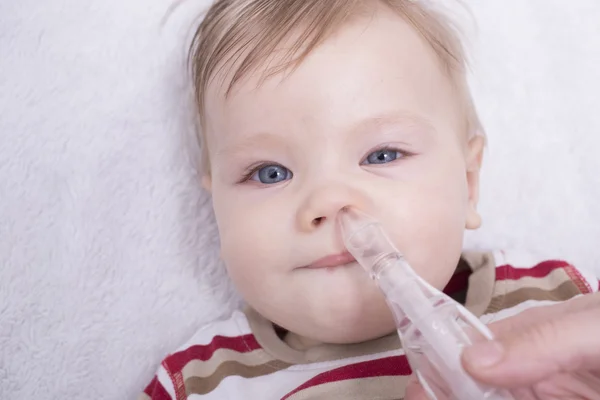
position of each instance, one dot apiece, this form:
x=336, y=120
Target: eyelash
x=388, y=147
x=254, y=168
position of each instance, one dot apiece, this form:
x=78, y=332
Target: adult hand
x=546, y=353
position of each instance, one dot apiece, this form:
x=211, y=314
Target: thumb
x=569, y=343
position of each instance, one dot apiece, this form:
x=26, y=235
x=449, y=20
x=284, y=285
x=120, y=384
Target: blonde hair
x=236, y=37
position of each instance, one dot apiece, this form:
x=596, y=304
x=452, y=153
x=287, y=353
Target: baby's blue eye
x=270, y=174
x=382, y=156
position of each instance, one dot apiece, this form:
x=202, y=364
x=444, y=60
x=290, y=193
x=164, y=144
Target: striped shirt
x=244, y=358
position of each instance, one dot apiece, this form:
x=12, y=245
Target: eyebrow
x=394, y=118
x=260, y=140
x=266, y=139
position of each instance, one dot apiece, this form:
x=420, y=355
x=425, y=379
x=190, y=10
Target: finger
x=414, y=390
x=537, y=315
x=565, y=344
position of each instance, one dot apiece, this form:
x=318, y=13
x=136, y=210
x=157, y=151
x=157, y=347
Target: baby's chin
x=367, y=327
x=344, y=328
x=341, y=317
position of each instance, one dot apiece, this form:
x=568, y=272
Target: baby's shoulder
x=524, y=279
x=212, y=341
x=236, y=325
x=197, y=362
x=520, y=270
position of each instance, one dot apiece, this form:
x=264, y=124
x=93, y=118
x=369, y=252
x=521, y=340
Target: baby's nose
x=323, y=204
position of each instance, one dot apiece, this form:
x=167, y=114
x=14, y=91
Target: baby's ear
x=207, y=182
x=474, y=160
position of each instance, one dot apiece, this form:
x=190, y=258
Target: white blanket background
x=108, y=251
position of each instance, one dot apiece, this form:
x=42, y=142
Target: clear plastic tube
x=434, y=328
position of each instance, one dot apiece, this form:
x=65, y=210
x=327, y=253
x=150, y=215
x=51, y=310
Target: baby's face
x=369, y=120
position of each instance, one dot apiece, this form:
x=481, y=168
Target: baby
x=309, y=107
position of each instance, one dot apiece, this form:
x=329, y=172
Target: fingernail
x=484, y=355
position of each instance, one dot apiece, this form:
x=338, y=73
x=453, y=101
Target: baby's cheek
x=444, y=246
x=429, y=231
x=247, y=253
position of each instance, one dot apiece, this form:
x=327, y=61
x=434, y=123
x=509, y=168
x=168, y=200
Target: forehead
x=376, y=65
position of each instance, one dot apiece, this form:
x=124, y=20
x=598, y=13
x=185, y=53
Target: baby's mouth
x=332, y=261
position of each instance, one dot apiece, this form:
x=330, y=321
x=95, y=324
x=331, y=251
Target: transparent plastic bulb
x=434, y=328
x=365, y=240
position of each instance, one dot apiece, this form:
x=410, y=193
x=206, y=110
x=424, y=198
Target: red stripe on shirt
x=242, y=344
x=458, y=282
x=156, y=391
x=582, y=284
x=387, y=366
x=541, y=270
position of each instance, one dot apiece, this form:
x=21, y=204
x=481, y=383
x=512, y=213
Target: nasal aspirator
x=434, y=329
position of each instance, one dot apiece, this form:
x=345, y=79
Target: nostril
x=318, y=221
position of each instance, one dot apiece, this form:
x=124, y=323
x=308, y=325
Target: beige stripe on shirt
x=559, y=288
x=565, y=291
x=204, y=369
x=549, y=282
x=198, y=385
